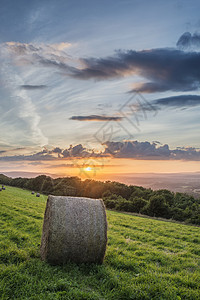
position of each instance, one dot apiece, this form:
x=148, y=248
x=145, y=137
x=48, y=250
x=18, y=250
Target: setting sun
x=88, y=169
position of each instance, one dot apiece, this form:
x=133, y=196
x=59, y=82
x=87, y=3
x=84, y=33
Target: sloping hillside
x=145, y=258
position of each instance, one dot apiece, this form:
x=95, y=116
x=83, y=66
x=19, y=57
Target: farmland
x=145, y=258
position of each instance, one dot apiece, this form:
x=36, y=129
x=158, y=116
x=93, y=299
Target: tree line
x=159, y=203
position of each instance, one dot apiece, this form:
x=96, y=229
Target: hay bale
x=74, y=229
x=32, y=193
x=38, y=195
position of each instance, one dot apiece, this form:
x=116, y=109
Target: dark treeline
x=160, y=203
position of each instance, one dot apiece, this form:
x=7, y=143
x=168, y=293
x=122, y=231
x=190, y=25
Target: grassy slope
x=145, y=259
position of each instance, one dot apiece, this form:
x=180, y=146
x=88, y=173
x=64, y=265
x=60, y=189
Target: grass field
x=145, y=258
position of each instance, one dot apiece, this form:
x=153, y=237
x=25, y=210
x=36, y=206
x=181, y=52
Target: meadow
x=145, y=258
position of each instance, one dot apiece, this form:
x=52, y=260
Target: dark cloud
x=2, y=151
x=164, y=69
x=45, y=155
x=66, y=153
x=135, y=149
x=57, y=150
x=44, y=151
x=146, y=150
x=150, y=87
x=188, y=41
x=127, y=149
x=33, y=87
x=179, y=101
x=76, y=151
x=189, y=153
x=96, y=118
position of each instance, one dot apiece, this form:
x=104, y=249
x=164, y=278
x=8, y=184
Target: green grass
x=145, y=258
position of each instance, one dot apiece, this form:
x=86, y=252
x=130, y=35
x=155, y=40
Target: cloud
x=151, y=151
x=48, y=49
x=61, y=46
x=96, y=118
x=33, y=157
x=179, y=101
x=12, y=150
x=187, y=41
x=127, y=149
x=33, y=54
x=57, y=150
x=165, y=69
x=33, y=87
x=2, y=151
x=135, y=149
x=35, y=163
x=17, y=109
x=44, y=155
x=21, y=48
x=150, y=87
x=60, y=166
x=77, y=151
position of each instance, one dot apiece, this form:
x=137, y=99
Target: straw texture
x=74, y=229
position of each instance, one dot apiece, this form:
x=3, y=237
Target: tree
x=168, y=195
x=158, y=207
x=138, y=203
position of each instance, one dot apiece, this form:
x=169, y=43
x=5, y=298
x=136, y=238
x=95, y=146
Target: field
x=145, y=258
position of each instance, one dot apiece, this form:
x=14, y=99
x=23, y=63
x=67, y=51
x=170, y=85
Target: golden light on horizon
x=88, y=169
x=104, y=170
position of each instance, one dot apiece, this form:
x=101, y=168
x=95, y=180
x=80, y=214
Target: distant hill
x=188, y=182
x=15, y=174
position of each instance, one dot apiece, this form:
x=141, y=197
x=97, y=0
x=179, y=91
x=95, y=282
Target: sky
x=93, y=88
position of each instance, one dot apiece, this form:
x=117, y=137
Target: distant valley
x=176, y=182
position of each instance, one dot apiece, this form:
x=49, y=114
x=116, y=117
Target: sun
x=88, y=169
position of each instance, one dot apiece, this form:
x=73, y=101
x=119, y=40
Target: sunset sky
x=95, y=88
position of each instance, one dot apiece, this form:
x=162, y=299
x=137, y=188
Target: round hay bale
x=38, y=195
x=74, y=229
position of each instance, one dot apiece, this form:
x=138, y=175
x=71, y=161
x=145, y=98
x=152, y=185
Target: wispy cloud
x=163, y=69
x=38, y=53
x=25, y=48
x=18, y=110
x=96, y=118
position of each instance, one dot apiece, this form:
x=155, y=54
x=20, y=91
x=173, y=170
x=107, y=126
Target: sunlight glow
x=88, y=169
